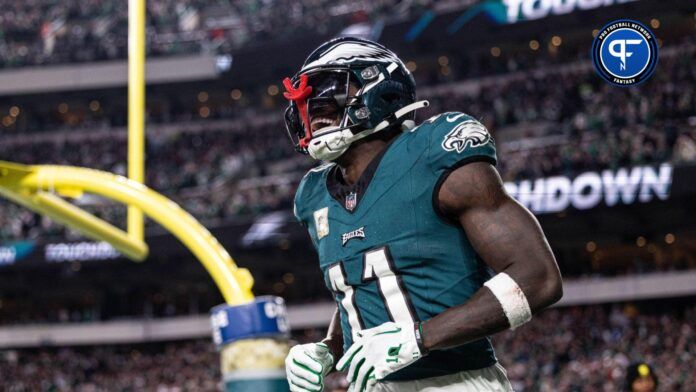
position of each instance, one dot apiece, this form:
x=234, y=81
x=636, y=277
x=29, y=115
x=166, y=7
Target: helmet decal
x=347, y=52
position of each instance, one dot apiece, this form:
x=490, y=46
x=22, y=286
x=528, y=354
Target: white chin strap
x=331, y=142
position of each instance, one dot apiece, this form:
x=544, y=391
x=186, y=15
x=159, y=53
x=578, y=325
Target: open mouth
x=322, y=122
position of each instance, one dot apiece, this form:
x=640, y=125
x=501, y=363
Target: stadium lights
x=223, y=63
x=641, y=241
x=272, y=90
x=669, y=238
x=288, y=278
x=204, y=111
x=591, y=246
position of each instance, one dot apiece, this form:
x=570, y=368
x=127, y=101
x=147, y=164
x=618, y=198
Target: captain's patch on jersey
x=469, y=133
x=321, y=222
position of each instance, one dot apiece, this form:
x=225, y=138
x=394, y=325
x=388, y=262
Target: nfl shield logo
x=351, y=201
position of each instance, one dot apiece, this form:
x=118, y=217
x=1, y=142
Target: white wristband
x=511, y=298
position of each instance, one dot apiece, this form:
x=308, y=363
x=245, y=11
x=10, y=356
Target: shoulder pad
x=456, y=139
x=307, y=187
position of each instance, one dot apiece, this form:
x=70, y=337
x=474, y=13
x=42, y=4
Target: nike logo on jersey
x=357, y=233
x=453, y=118
x=469, y=133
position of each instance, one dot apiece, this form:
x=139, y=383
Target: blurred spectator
x=575, y=350
x=589, y=348
x=174, y=366
x=545, y=123
x=39, y=32
x=640, y=377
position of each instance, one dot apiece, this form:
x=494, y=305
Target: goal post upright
x=252, y=334
x=136, y=109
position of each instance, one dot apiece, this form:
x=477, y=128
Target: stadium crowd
x=190, y=294
x=185, y=366
x=559, y=121
x=41, y=32
x=549, y=114
x=578, y=349
x=586, y=349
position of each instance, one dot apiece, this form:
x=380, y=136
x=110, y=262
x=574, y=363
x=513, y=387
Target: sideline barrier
x=254, y=347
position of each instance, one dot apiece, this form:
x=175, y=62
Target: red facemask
x=299, y=96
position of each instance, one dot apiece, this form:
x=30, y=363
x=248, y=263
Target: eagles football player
x=424, y=252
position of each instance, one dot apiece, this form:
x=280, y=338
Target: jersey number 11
x=377, y=265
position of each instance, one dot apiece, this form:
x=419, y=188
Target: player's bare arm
x=334, y=336
x=509, y=239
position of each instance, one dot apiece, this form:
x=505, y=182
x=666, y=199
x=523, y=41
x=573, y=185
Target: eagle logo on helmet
x=343, y=53
x=469, y=133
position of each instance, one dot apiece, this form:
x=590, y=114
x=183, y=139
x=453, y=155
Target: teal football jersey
x=385, y=252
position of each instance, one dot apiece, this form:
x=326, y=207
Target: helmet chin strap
x=331, y=142
x=392, y=119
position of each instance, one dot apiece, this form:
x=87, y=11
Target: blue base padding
x=273, y=385
x=263, y=317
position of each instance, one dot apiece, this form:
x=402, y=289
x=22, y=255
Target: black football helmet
x=383, y=95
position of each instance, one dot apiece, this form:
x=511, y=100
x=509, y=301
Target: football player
x=425, y=253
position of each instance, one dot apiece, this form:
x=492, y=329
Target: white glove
x=306, y=365
x=378, y=352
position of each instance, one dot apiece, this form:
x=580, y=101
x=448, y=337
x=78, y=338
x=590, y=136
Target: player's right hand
x=306, y=365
